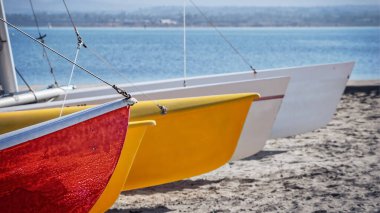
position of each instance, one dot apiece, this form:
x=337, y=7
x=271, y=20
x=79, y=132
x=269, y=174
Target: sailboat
x=72, y=163
x=300, y=111
x=311, y=107
x=207, y=130
x=60, y=150
x=254, y=134
x=57, y=166
x=252, y=139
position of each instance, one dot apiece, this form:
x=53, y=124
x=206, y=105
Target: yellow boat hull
x=10, y=121
x=196, y=136
x=135, y=134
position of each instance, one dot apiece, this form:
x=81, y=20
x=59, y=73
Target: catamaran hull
x=310, y=100
x=309, y=103
x=196, y=136
x=65, y=164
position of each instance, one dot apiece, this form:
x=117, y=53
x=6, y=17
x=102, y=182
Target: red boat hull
x=63, y=171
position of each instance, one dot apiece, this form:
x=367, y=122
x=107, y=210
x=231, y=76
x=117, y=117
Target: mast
x=8, y=80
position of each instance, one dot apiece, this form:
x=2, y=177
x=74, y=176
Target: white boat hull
x=309, y=103
x=311, y=98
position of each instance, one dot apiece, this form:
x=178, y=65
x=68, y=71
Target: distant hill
x=220, y=16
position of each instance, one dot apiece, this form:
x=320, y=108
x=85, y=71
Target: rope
x=69, y=83
x=26, y=83
x=80, y=43
x=41, y=38
x=223, y=37
x=36, y=21
x=67, y=59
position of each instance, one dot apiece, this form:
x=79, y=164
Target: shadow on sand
x=175, y=186
x=157, y=209
x=194, y=184
x=186, y=184
x=264, y=154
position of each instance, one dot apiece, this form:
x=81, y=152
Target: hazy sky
x=16, y=6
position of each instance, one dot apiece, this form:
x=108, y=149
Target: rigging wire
x=122, y=92
x=41, y=38
x=223, y=37
x=118, y=90
x=184, y=45
x=81, y=43
x=26, y=83
x=117, y=71
x=79, y=38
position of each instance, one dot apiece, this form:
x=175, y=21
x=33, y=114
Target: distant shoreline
x=200, y=27
x=332, y=16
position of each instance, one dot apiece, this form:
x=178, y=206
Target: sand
x=332, y=169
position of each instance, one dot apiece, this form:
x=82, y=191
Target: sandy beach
x=332, y=169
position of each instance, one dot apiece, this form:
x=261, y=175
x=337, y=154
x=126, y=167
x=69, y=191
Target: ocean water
x=152, y=54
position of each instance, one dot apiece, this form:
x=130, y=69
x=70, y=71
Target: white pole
x=8, y=80
x=184, y=44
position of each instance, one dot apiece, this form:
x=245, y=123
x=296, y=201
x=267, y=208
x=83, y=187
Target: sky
x=22, y=6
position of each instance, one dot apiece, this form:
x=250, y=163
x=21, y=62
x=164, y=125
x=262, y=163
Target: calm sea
x=152, y=54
